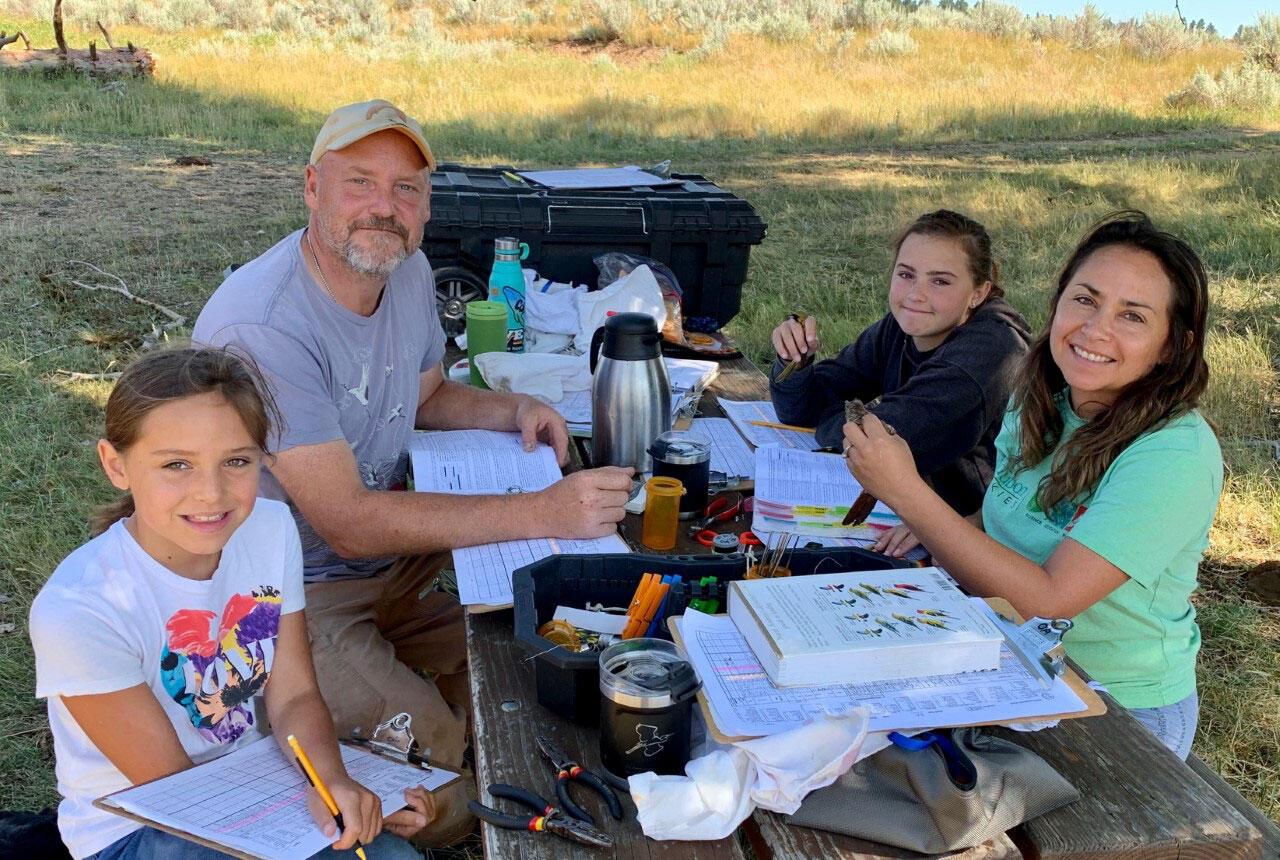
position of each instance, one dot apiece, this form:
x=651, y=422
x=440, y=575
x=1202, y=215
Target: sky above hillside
x=1225, y=15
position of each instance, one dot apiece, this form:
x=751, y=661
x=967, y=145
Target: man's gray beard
x=368, y=263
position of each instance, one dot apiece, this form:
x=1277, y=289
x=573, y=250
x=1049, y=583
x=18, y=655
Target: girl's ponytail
x=106, y=514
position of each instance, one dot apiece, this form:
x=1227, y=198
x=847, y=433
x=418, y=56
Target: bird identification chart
x=744, y=703
x=253, y=801
x=472, y=462
x=743, y=412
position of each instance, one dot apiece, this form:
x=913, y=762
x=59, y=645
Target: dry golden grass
x=836, y=151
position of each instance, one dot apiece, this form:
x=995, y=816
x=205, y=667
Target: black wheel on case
x=455, y=286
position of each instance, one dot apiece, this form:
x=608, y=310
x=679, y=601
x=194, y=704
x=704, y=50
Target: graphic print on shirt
x=361, y=391
x=213, y=666
x=1008, y=490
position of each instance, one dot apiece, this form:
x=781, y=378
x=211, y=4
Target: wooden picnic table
x=1137, y=799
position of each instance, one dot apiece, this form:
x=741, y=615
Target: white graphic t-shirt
x=112, y=617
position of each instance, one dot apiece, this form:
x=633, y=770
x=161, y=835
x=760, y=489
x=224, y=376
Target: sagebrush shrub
x=891, y=43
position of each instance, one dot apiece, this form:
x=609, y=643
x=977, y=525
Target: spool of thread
x=486, y=332
x=724, y=544
x=560, y=632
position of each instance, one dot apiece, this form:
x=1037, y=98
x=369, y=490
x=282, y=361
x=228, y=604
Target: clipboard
x=1094, y=706
x=108, y=803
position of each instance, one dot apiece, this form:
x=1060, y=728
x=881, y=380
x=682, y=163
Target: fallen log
x=137, y=63
x=130, y=63
x=6, y=39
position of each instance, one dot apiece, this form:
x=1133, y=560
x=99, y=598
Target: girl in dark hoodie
x=942, y=361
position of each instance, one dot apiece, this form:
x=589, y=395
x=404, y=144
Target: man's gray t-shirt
x=334, y=374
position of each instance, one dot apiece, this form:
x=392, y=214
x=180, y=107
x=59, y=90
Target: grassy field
x=836, y=149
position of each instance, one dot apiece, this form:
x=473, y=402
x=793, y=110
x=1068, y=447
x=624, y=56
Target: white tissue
x=722, y=788
x=542, y=375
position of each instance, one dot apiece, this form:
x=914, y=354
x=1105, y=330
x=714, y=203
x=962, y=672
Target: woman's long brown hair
x=1172, y=388
x=172, y=374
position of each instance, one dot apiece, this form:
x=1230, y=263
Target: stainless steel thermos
x=630, y=391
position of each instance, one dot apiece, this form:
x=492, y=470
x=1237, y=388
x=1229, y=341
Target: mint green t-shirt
x=1150, y=517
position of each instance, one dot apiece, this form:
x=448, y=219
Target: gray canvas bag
x=954, y=789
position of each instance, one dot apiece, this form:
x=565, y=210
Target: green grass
x=836, y=153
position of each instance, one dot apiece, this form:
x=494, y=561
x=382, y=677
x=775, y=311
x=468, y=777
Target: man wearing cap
x=341, y=318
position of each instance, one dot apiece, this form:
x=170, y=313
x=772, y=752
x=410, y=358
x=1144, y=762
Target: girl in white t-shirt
x=172, y=635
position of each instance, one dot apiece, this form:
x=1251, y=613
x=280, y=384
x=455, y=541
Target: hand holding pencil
x=340, y=804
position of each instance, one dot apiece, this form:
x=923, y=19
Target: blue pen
x=672, y=580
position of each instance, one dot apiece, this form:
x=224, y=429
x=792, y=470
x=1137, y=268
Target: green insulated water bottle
x=506, y=285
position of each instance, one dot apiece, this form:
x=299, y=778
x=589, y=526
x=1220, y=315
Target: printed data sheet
x=745, y=703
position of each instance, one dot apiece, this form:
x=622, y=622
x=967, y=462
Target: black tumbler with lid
x=686, y=457
x=646, y=704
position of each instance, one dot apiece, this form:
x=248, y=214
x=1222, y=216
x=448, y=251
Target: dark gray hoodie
x=947, y=403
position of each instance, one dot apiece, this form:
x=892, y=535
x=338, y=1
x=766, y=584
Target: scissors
x=721, y=509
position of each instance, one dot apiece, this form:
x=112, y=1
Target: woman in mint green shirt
x=1106, y=480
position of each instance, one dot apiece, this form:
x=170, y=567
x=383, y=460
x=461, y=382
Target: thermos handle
x=597, y=338
x=684, y=683
x=524, y=250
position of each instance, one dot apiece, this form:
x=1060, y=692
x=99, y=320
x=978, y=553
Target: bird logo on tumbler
x=212, y=667
x=650, y=742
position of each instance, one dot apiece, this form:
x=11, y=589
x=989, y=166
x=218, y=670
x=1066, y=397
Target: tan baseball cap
x=355, y=122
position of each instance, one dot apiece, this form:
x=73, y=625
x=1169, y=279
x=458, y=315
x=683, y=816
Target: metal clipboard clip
x=1037, y=642
x=393, y=739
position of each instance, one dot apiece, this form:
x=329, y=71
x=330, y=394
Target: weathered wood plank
x=1137, y=799
x=771, y=838
x=1270, y=832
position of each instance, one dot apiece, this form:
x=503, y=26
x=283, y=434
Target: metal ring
x=846, y=450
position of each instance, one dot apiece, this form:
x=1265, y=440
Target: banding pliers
x=568, y=770
x=545, y=817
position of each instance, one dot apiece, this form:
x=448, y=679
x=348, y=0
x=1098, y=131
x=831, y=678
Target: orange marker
x=638, y=601
x=314, y=778
x=650, y=609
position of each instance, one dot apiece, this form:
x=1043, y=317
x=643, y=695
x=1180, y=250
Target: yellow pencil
x=314, y=778
x=777, y=426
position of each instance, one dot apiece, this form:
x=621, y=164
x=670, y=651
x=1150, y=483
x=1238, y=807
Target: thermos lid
x=507, y=244
x=631, y=337
x=680, y=448
x=486, y=310
x=646, y=673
